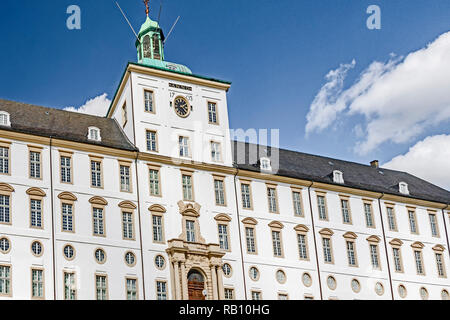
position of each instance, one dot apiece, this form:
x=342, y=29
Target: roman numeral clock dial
x=182, y=108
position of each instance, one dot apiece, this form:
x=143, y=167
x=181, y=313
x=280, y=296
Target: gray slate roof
x=65, y=125
x=320, y=169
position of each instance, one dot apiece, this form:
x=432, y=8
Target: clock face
x=182, y=107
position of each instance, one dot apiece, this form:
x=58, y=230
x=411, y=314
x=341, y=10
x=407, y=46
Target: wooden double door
x=196, y=286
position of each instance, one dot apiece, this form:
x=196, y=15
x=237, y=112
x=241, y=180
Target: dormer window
x=338, y=177
x=265, y=164
x=4, y=119
x=94, y=134
x=403, y=188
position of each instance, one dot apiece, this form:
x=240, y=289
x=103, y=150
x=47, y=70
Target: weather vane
x=147, y=10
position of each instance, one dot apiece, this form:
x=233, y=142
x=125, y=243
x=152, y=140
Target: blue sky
x=276, y=53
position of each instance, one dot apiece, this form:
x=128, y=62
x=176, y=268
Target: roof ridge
x=52, y=108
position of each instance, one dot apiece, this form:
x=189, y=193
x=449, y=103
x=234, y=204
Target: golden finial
x=147, y=10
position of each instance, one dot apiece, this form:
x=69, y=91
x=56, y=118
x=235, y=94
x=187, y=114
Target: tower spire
x=147, y=9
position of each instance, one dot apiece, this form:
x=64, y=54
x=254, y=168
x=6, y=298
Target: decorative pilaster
x=214, y=283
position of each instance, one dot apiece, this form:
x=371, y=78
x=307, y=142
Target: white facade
x=173, y=210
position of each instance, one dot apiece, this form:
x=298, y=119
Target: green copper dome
x=150, y=48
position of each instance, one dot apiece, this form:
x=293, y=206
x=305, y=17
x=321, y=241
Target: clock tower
x=150, y=47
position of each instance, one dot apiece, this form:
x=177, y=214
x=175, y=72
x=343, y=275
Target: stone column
x=172, y=281
x=214, y=283
x=184, y=287
x=177, y=281
x=220, y=283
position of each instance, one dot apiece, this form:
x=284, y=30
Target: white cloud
x=399, y=99
x=97, y=106
x=428, y=159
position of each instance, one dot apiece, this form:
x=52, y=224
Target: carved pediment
x=374, y=239
x=326, y=232
x=127, y=205
x=301, y=228
x=189, y=209
x=157, y=208
x=99, y=201
x=222, y=217
x=350, y=235
x=276, y=225
x=67, y=196
x=6, y=187
x=250, y=221
x=36, y=192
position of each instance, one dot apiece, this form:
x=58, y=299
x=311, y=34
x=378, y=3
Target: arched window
x=94, y=134
x=338, y=177
x=147, y=49
x=403, y=187
x=5, y=119
x=156, y=47
x=265, y=164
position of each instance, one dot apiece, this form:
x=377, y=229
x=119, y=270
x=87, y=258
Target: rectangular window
x=98, y=221
x=161, y=290
x=229, y=294
x=67, y=217
x=302, y=246
x=345, y=211
x=152, y=143
x=35, y=165
x=419, y=263
x=397, y=260
x=250, y=238
x=256, y=295
x=66, y=169
x=127, y=225
x=440, y=265
x=246, y=197
x=190, y=231
x=212, y=112
x=148, y=97
x=223, y=237
x=272, y=198
x=36, y=213
x=282, y=296
x=219, y=192
x=374, y=257
x=276, y=242
x=125, y=178
x=216, y=154
x=434, y=225
x=297, y=200
x=157, y=228
x=187, y=188
x=96, y=174
x=322, y=208
x=369, y=215
x=4, y=160
x=37, y=283
x=131, y=289
x=70, y=290
x=184, y=146
x=351, y=253
x=101, y=286
x=5, y=209
x=155, y=189
x=327, y=254
x=412, y=221
x=5, y=280
x=391, y=219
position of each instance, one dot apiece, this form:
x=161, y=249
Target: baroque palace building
x=155, y=201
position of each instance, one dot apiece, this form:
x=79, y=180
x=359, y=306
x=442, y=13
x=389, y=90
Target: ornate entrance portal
x=196, y=286
x=195, y=267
